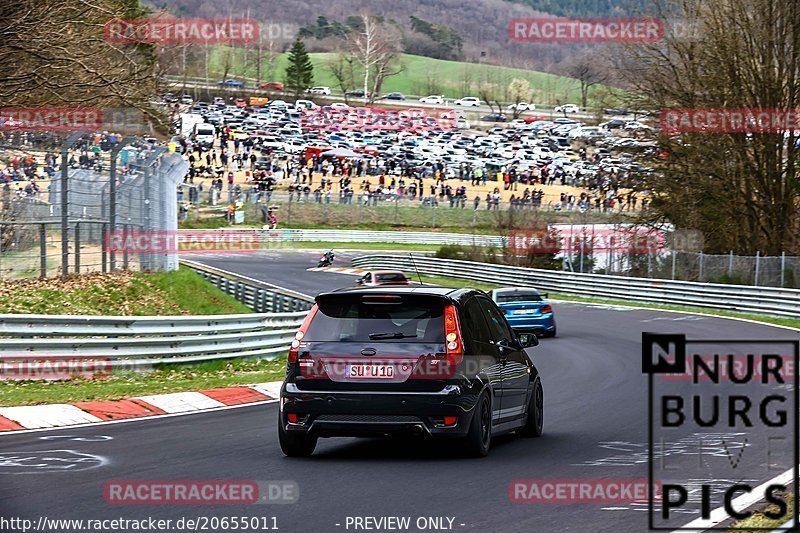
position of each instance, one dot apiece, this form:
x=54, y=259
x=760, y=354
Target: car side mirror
x=527, y=340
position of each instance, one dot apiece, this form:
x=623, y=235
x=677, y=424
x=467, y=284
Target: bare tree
x=740, y=189
x=377, y=48
x=519, y=91
x=54, y=52
x=344, y=68
x=488, y=93
x=466, y=80
x=588, y=74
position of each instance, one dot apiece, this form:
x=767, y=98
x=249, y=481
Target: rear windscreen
x=371, y=319
x=518, y=297
x=390, y=277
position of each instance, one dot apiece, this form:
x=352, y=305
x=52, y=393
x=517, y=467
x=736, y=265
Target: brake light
x=295, y=346
x=450, y=420
x=546, y=309
x=452, y=334
x=292, y=417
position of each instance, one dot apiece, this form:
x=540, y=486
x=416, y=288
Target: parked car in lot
x=187, y=99
x=231, y=83
x=470, y=101
x=305, y=104
x=635, y=125
x=272, y=86
x=526, y=310
x=432, y=99
x=493, y=117
x=427, y=361
x=566, y=108
x=383, y=277
x=320, y=90
x=613, y=124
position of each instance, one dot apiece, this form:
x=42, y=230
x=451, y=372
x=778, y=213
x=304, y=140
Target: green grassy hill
x=421, y=75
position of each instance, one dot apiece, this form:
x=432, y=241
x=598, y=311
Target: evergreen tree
x=300, y=71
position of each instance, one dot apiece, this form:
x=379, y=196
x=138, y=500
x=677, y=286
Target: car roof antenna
x=415, y=268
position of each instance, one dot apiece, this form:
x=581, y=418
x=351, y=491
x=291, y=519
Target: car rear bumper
x=356, y=413
x=532, y=324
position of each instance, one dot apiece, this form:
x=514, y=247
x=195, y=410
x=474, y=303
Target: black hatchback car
x=430, y=361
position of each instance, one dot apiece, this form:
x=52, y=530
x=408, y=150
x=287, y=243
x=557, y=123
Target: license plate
x=525, y=311
x=370, y=371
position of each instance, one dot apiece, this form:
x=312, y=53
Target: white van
x=204, y=134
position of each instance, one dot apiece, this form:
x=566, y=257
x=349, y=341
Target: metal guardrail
x=136, y=342
x=761, y=300
x=260, y=296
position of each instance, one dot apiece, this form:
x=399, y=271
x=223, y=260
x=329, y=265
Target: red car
x=383, y=277
x=272, y=86
x=240, y=102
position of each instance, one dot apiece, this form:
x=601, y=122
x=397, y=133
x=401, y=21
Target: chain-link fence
x=61, y=196
x=336, y=209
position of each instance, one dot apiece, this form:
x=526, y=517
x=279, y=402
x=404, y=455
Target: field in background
x=421, y=76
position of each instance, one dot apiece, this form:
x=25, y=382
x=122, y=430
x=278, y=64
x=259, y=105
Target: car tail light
x=452, y=334
x=547, y=309
x=450, y=420
x=292, y=418
x=295, y=347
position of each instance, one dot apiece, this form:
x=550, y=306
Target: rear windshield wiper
x=389, y=335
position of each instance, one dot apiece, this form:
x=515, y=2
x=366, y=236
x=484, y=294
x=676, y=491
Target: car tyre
x=534, y=423
x=479, y=438
x=295, y=445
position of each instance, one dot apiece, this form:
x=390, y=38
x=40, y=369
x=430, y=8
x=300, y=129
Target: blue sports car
x=526, y=310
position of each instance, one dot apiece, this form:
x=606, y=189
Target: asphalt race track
x=595, y=427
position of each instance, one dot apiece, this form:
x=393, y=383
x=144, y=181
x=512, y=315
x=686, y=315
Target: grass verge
x=206, y=375
x=761, y=521
x=180, y=292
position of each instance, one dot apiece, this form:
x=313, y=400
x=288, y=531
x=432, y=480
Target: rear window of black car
x=377, y=318
x=391, y=277
x=518, y=297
